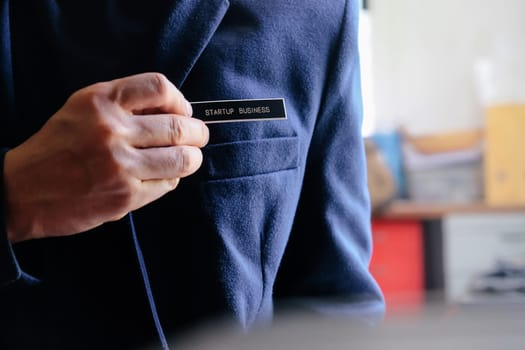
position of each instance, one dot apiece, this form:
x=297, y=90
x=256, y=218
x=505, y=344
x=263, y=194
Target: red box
x=398, y=263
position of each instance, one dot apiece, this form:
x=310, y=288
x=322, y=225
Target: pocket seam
x=250, y=158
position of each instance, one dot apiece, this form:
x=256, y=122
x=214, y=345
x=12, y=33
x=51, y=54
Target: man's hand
x=112, y=148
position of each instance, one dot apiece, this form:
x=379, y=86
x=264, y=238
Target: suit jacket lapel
x=186, y=34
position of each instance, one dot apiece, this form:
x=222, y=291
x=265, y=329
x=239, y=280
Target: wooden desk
x=402, y=215
x=402, y=209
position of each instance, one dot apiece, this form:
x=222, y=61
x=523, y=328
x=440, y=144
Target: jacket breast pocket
x=250, y=157
x=249, y=194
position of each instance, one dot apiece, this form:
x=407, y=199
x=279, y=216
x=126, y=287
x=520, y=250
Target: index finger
x=149, y=91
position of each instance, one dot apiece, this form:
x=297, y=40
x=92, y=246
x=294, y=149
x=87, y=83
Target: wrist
x=16, y=227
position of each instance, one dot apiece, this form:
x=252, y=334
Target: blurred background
x=444, y=126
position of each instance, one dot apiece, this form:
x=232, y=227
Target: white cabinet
x=484, y=257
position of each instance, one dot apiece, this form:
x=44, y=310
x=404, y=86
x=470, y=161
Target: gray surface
x=436, y=327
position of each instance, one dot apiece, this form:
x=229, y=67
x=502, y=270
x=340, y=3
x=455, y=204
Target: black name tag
x=239, y=110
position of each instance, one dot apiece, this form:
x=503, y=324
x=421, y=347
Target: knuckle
x=177, y=131
x=93, y=97
x=107, y=127
x=123, y=201
x=102, y=119
x=104, y=135
x=111, y=167
x=124, y=195
x=104, y=145
x=160, y=83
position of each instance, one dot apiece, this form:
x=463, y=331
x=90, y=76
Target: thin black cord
x=147, y=285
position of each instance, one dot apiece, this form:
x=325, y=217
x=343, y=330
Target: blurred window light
x=365, y=49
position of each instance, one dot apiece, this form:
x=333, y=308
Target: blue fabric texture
x=279, y=212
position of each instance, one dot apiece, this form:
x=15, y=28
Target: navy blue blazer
x=278, y=212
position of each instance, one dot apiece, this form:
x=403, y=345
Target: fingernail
x=206, y=133
x=199, y=128
x=189, y=109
